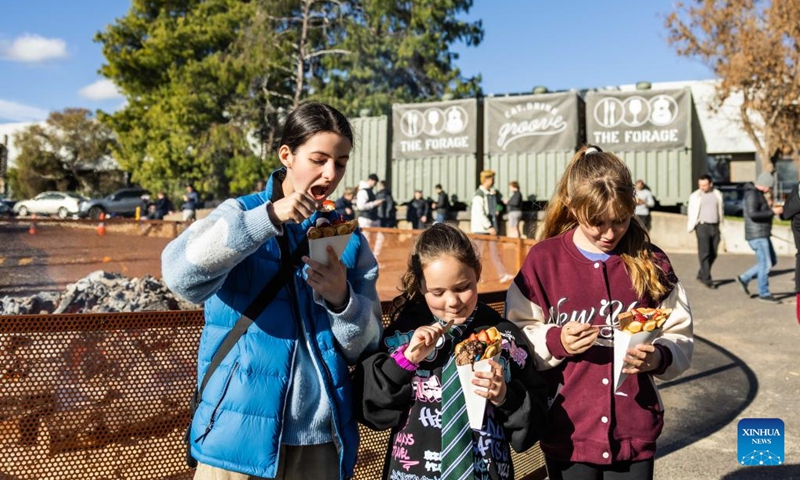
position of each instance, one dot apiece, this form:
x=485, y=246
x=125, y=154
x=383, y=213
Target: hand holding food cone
x=335, y=233
x=474, y=355
x=639, y=326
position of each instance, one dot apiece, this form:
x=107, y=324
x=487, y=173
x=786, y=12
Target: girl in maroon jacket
x=593, y=262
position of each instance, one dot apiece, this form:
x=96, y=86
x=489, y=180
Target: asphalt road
x=743, y=367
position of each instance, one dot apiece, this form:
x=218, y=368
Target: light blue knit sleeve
x=195, y=264
x=357, y=328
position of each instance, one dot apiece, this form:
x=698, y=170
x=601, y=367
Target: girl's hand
x=642, y=358
x=577, y=337
x=494, y=381
x=426, y=337
x=295, y=207
x=329, y=280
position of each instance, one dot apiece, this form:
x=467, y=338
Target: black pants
x=646, y=220
x=796, y=235
x=642, y=470
x=707, y=243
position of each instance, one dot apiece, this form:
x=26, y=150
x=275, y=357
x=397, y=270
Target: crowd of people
x=280, y=402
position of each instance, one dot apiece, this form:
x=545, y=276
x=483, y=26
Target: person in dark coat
x=387, y=211
x=419, y=211
x=162, y=207
x=758, y=215
x=442, y=204
x=791, y=211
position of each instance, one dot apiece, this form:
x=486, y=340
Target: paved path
x=745, y=365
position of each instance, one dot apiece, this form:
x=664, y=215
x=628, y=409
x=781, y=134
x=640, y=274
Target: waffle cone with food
x=473, y=355
x=479, y=346
x=639, y=326
x=334, y=232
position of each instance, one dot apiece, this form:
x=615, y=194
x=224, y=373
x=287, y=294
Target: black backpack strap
x=284, y=277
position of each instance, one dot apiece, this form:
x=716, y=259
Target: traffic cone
x=32, y=228
x=101, y=227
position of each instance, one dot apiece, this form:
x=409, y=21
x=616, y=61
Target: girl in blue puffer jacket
x=279, y=404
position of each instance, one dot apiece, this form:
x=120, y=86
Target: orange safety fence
x=102, y=396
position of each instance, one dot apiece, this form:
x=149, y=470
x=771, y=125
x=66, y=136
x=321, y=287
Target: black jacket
x=757, y=214
x=515, y=202
x=791, y=209
x=442, y=203
x=408, y=402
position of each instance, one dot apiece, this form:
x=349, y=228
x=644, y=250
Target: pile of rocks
x=99, y=292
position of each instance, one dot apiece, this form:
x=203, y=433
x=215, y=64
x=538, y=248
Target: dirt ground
x=61, y=253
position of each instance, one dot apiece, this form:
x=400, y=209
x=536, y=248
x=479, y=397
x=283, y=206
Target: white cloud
x=17, y=112
x=101, y=90
x=30, y=48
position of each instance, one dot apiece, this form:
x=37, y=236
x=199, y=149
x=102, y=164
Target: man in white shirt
x=706, y=213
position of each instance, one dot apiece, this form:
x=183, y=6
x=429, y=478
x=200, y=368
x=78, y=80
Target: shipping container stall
x=370, y=152
x=530, y=139
x=436, y=142
x=656, y=133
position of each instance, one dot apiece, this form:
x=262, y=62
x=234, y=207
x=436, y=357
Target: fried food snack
x=326, y=228
x=479, y=346
x=643, y=319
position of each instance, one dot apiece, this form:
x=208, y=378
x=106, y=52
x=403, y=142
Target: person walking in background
x=514, y=209
x=483, y=212
x=280, y=404
x=344, y=204
x=411, y=385
x=387, y=210
x=442, y=204
x=163, y=207
x=483, y=221
x=758, y=215
x=367, y=210
x=705, y=216
x=189, y=206
x=644, y=202
x=419, y=211
x=592, y=431
x=791, y=211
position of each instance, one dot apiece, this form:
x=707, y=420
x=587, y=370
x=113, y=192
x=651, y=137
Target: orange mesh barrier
x=101, y=396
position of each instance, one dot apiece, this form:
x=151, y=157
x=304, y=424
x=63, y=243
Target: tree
x=172, y=61
x=62, y=154
x=753, y=47
x=204, y=78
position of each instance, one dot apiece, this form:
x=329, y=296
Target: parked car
x=6, y=206
x=733, y=198
x=122, y=202
x=62, y=204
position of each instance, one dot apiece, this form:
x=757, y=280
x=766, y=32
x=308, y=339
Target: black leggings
x=641, y=470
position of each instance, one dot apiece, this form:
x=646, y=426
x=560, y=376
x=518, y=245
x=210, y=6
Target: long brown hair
x=434, y=242
x=595, y=183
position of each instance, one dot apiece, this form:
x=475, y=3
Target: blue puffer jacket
x=232, y=254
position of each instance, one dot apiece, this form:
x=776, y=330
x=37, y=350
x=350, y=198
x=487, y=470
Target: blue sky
x=48, y=60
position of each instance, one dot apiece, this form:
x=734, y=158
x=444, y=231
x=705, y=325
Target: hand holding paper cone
x=633, y=349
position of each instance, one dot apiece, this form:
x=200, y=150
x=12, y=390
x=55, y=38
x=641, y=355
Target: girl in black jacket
x=400, y=387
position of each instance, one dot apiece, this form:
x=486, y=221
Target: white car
x=61, y=204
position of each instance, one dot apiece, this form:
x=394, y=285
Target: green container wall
x=537, y=173
x=370, y=153
x=671, y=174
x=456, y=173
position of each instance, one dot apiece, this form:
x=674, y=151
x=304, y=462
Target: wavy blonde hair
x=596, y=183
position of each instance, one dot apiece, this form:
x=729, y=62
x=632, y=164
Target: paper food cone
x=623, y=341
x=317, y=249
x=476, y=405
